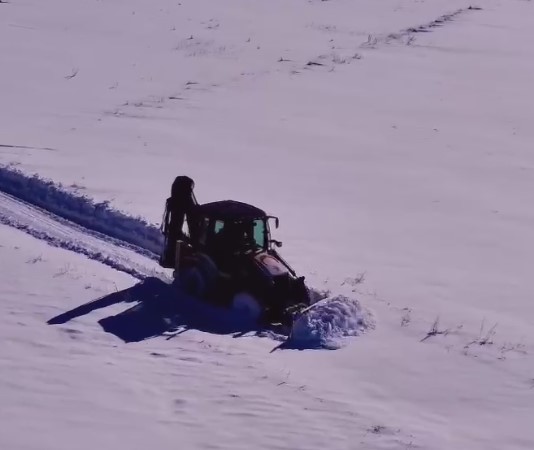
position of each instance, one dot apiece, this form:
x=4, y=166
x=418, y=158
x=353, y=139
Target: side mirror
x=276, y=243
x=276, y=221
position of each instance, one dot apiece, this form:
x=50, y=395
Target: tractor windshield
x=231, y=236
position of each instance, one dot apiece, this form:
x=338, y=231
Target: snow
x=329, y=320
x=99, y=217
x=58, y=232
x=399, y=162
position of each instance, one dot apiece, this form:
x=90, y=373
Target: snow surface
x=392, y=138
x=82, y=210
x=328, y=320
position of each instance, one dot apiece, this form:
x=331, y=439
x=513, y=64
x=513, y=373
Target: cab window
x=259, y=233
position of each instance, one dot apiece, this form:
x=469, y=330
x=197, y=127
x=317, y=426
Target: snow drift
x=82, y=210
x=328, y=321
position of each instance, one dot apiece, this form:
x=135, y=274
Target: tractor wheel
x=247, y=305
x=208, y=269
x=192, y=282
x=200, y=278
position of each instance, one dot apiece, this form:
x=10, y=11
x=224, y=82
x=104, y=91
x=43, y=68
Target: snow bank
x=59, y=232
x=82, y=210
x=328, y=321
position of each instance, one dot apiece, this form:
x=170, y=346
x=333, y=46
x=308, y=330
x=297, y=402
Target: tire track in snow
x=128, y=231
x=42, y=209
x=61, y=233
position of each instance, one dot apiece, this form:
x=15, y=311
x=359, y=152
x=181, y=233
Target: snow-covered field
x=393, y=139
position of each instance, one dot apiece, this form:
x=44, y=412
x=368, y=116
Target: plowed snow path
x=60, y=232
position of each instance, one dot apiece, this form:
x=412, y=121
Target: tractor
x=223, y=253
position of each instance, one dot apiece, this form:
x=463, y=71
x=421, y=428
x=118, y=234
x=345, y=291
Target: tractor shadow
x=161, y=310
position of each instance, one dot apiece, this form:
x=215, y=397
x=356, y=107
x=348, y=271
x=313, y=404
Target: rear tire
x=247, y=305
x=192, y=282
x=200, y=278
x=208, y=269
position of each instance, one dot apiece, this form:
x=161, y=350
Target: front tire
x=247, y=305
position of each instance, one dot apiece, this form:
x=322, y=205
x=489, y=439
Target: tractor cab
x=228, y=229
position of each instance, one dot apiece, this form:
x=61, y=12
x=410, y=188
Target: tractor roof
x=230, y=210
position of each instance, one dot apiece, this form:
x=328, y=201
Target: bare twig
x=371, y=41
x=483, y=339
x=406, y=318
x=434, y=331
x=35, y=260
x=353, y=281
x=376, y=429
x=73, y=74
x=63, y=271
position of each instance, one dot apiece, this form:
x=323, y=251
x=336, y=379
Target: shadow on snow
x=161, y=310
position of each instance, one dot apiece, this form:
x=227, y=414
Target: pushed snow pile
x=328, y=321
x=82, y=210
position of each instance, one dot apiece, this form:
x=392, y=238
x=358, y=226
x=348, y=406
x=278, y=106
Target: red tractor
x=223, y=253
